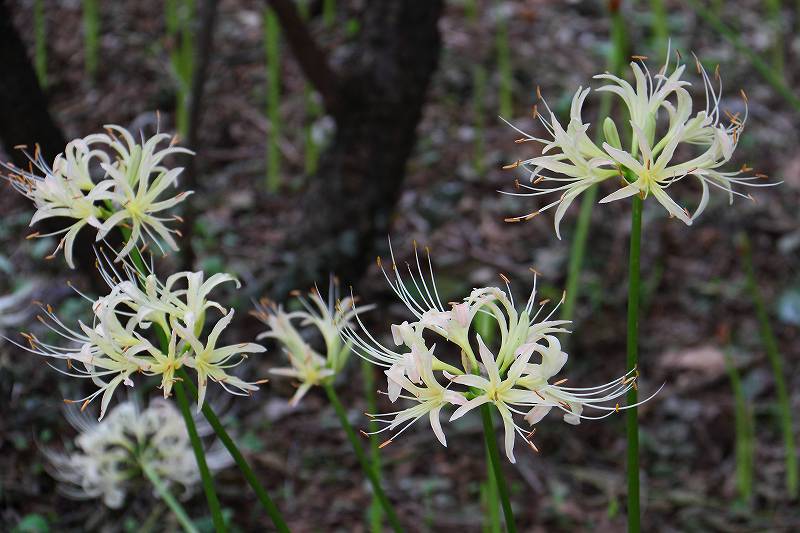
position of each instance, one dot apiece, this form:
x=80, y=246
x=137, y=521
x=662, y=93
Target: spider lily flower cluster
x=105, y=180
x=570, y=162
x=515, y=377
x=122, y=340
x=309, y=367
x=110, y=456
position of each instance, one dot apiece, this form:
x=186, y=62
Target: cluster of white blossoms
x=105, y=180
x=514, y=377
x=111, y=456
x=668, y=144
x=308, y=366
x=144, y=326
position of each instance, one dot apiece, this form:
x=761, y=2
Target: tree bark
x=24, y=115
x=379, y=102
x=25, y=119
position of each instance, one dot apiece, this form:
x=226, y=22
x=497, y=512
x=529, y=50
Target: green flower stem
x=496, y=466
x=91, y=36
x=200, y=456
x=776, y=361
x=492, y=523
x=745, y=432
x=631, y=415
x=368, y=377
x=169, y=499
x=263, y=497
x=660, y=26
x=40, y=42
x=368, y=469
x=616, y=61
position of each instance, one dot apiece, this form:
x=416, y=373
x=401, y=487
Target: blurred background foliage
x=322, y=126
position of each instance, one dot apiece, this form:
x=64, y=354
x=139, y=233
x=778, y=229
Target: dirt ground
x=694, y=279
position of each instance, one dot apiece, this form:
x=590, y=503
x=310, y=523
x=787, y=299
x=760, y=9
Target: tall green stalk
x=616, y=61
x=478, y=109
x=776, y=23
x=632, y=413
x=763, y=68
x=328, y=12
x=776, y=361
x=660, y=26
x=497, y=466
x=505, y=90
x=91, y=36
x=368, y=468
x=745, y=433
x=368, y=379
x=200, y=457
x=164, y=493
x=272, y=35
x=263, y=497
x=179, y=20
x=486, y=327
x=40, y=42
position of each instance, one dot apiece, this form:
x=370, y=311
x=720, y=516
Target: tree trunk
x=25, y=119
x=379, y=102
x=24, y=115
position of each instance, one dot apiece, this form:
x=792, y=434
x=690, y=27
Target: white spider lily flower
x=140, y=179
x=329, y=317
x=571, y=401
x=308, y=368
x=651, y=165
x=499, y=391
x=110, y=456
x=139, y=314
x=103, y=353
x=570, y=153
x=128, y=192
x=421, y=296
x=514, y=379
x=212, y=362
x=152, y=300
x=64, y=190
x=430, y=396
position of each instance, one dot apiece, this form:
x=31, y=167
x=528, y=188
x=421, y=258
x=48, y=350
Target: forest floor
x=696, y=308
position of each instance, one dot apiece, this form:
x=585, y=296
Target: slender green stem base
x=776, y=361
x=745, y=433
x=496, y=465
x=241, y=462
x=492, y=522
x=368, y=377
x=169, y=499
x=631, y=415
x=368, y=469
x=200, y=456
